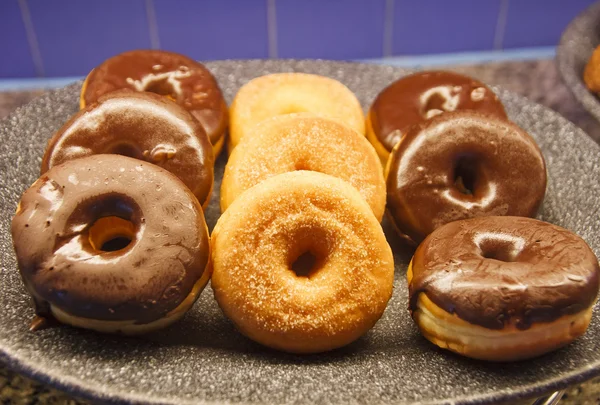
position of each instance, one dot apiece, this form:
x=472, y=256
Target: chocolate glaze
x=502, y=163
x=168, y=253
x=140, y=125
x=496, y=271
x=184, y=80
x=420, y=96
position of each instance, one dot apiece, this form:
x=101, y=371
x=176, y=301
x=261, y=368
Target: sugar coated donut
x=415, y=98
x=112, y=244
x=300, y=263
x=461, y=165
x=284, y=93
x=304, y=141
x=140, y=125
x=502, y=288
x=169, y=74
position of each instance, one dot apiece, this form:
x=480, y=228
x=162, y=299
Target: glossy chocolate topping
x=461, y=165
x=143, y=126
x=495, y=271
x=169, y=74
x=420, y=96
x=143, y=281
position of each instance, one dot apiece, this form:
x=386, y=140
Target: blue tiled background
x=42, y=38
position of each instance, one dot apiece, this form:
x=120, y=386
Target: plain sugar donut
x=111, y=243
x=304, y=141
x=285, y=93
x=261, y=278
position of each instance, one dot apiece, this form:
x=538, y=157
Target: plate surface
x=202, y=359
x=576, y=46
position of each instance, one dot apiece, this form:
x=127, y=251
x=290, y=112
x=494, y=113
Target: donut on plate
x=502, y=288
x=285, y=93
x=143, y=126
x=304, y=141
x=301, y=264
x=418, y=97
x=168, y=74
x=112, y=244
x=461, y=165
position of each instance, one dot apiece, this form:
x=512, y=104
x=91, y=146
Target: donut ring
x=143, y=126
x=169, y=74
x=520, y=287
x=276, y=224
x=305, y=142
x=461, y=165
x=418, y=97
x=284, y=93
x=65, y=221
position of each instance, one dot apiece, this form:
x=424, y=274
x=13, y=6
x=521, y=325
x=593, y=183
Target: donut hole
x=162, y=87
x=465, y=174
x=110, y=234
x=501, y=247
x=126, y=149
x=308, y=251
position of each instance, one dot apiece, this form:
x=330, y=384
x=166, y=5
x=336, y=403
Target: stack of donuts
x=112, y=236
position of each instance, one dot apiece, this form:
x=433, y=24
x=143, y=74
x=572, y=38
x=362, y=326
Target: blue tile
x=17, y=60
x=539, y=23
x=213, y=29
x=332, y=29
x=440, y=26
x=75, y=36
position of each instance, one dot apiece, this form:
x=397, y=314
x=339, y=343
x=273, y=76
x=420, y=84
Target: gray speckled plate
x=202, y=359
x=577, y=43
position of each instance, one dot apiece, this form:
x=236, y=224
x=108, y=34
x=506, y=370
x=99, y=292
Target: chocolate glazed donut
x=502, y=288
x=461, y=165
x=111, y=243
x=143, y=126
x=169, y=74
x=416, y=98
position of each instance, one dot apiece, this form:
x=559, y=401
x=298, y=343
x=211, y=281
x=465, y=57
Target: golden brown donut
x=284, y=93
x=461, y=165
x=169, y=74
x=591, y=74
x=112, y=244
x=300, y=263
x=143, y=126
x=502, y=288
x=304, y=141
x=418, y=97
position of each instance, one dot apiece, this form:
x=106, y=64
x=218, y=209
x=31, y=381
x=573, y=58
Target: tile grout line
x=152, y=25
x=501, y=25
x=272, y=28
x=388, y=28
x=34, y=46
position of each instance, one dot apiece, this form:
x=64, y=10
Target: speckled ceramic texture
x=576, y=46
x=202, y=359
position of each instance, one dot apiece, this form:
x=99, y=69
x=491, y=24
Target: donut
x=416, y=98
x=591, y=73
x=112, y=244
x=284, y=93
x=143, y=126
x=301, y=264
x=304, y=141
x=502, y=288
x=169, y=74
x=461, y=165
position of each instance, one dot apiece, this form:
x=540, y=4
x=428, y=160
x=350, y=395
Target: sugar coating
x=284, y=93
x=305, y=142
x=269, y=226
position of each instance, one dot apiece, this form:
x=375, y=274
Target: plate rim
x=95, y=392
x=572, y=79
